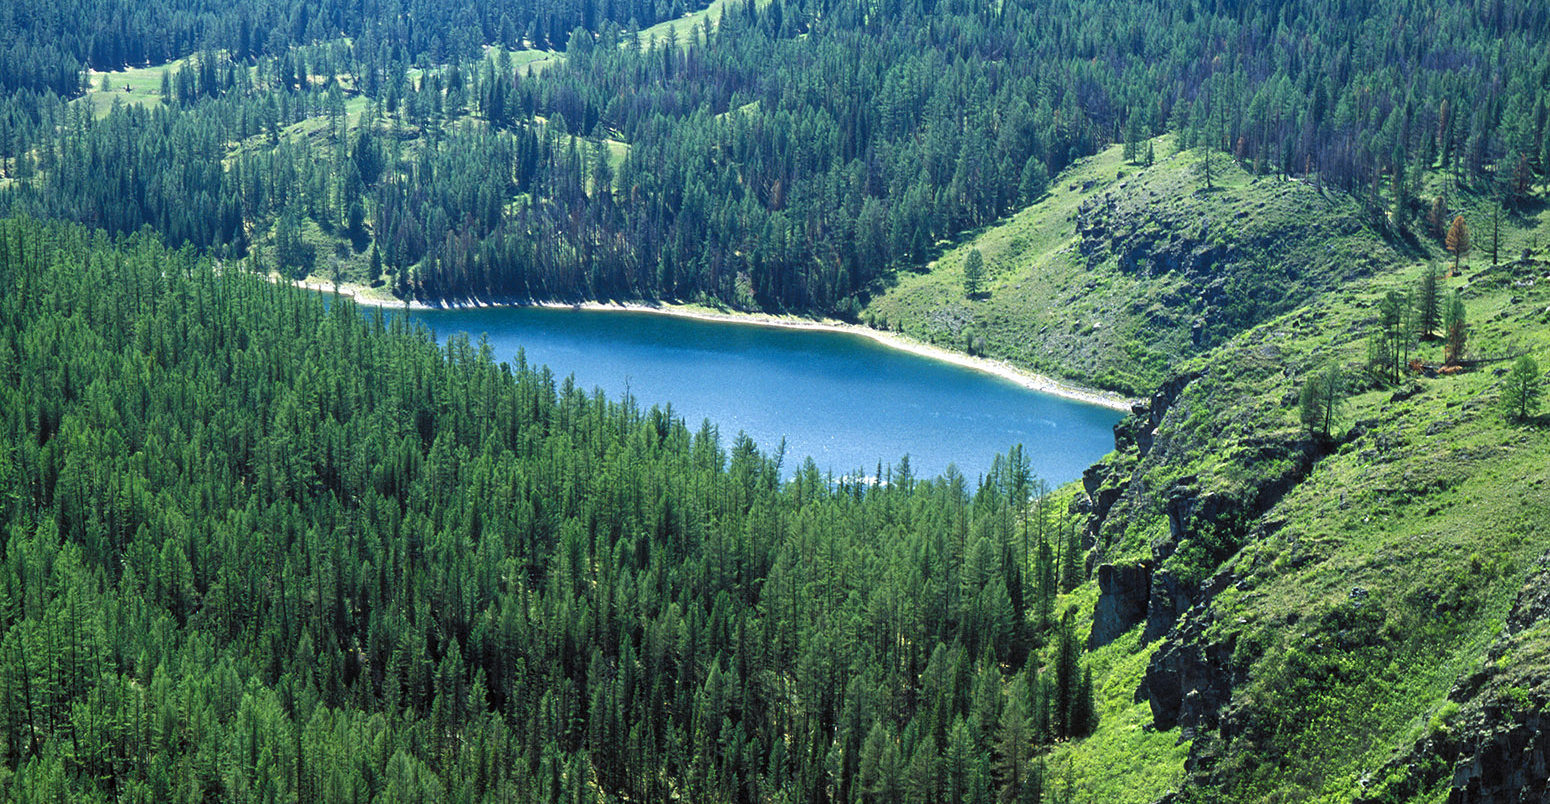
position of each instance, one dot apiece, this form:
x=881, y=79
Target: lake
x=841, y=398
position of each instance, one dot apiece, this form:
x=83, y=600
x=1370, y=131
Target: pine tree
x=1436, y=216
x=1385, y=356
x=1082, y=712
x=1034, y=180
x=1072, y=571
x=1456, y=327
x=921, y=783
x=1399, y=213
x=1495, y=247
x=1014, y=743
x=1522, y=390
x=291, y=251
x=1320, y=400
x=1428, y=304
x=1067, y=677
x=973, y=273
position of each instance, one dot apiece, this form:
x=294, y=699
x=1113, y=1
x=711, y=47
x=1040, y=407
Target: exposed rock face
x=1125, y=596
x=1100, y=484
x=1223, y=247
x=1512, y=764
x=1124, y=591
x=1106, y=482
x=1149, y=417
x=1189, y=680
x=1169, y=600
x=1496, y=748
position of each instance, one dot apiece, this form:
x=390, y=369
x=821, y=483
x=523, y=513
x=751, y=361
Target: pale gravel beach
x=999, y=368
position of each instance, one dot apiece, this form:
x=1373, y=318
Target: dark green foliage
x=1034, y=180
x=292, y=254
x=1388, y=344
x=1455, y=323
x=1522, y=390
x=1320, y=400
x=1072, y=709
x=44, y=44
x=1494, y=245
x=749, y=173
x=973, y=273
x=1428, y=304
x=259, y=545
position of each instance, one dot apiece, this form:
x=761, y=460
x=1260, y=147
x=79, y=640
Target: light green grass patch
x=135, y=86
x=1124, y=761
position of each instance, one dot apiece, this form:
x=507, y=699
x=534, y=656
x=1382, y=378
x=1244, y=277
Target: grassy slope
x=1125, y=759
x=1051, y=307
x=1437, y=511
x=684, y=28
x=136, y=86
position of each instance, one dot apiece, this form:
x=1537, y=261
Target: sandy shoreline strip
x=999, y=368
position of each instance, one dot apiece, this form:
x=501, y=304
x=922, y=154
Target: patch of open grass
x=135, y=86
x=1124, y=761
x=1102, y=306
x=684, y=28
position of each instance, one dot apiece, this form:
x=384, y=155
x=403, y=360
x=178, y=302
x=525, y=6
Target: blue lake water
x=843, y=399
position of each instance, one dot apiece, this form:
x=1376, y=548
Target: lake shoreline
x=999, y=368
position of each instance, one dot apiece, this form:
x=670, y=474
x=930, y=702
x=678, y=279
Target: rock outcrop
x=1170, y=598
x=1191, y=678
x=1224, y=248
x=1124, y=593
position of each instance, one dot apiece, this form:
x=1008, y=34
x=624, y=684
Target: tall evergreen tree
x=1522, y=390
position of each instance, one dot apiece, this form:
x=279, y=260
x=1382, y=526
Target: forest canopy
x=260, y=546
x=783, y=155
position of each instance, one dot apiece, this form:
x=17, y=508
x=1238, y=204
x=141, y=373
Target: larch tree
x=1014, y=743
x=1495, y=247
x=1457, y=240
x=1428, y=305
x=1436, y=215
x=1385, y=358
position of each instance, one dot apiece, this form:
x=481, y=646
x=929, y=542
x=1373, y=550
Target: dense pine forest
x=262, y=547
x=263, y=544
x=789, y=156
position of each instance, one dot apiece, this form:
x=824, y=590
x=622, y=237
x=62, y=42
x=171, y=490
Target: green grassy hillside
x=1120, y=272
x=1337, y=604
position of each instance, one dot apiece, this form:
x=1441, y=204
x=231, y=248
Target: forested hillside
x=261, y=547
x=786, y=157
x=44, y=44
x=257, y=544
